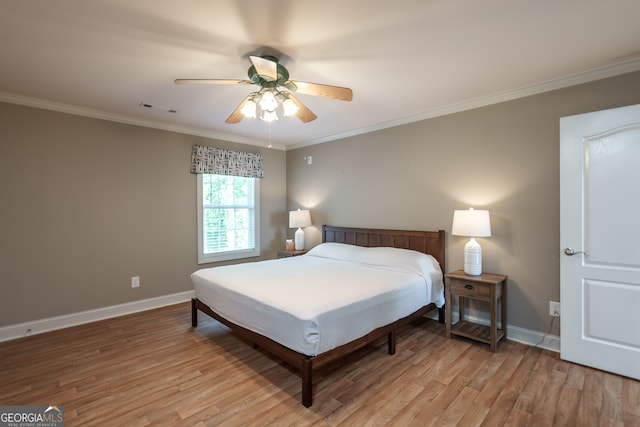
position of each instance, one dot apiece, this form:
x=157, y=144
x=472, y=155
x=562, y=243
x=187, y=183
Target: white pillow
x=401, y=259
x=336, y=251
x=383, y=257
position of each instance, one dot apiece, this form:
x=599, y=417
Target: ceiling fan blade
x=211, y=81
x=335, y=92
x=237, y=115
x=304, y=114
x=265, y=68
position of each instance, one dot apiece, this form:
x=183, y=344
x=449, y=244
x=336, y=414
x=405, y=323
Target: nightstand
x=287, y=254
x=491, y=288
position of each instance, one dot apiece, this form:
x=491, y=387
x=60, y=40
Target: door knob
x=571, y=252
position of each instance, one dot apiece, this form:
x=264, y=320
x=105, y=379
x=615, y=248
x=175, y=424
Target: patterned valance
x=226, y=162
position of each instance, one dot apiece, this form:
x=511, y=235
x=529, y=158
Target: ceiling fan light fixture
x=249, y=109
x=289, y=107
x=266, y=72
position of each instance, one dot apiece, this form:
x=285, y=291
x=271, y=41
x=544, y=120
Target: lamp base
x=473, y=258
x=299, y=239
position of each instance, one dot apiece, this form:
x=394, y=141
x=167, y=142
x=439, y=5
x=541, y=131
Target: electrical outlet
x=135, y=282
x=554, y=308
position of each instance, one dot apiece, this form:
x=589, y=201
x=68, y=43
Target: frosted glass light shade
x=289, y=107
x=270, y=116
x=249, y=109
x=268, y=101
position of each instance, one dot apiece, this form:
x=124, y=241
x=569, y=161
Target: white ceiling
x=405, y=60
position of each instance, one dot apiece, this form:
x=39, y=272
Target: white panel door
x=600, y=239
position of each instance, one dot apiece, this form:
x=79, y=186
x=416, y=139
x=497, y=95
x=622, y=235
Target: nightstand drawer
x=470, y=289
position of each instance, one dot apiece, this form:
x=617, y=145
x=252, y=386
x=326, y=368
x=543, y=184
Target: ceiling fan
x=273, y=78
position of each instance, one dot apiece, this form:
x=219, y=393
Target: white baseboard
x=534, y=338
x=53, y=323
x=515, y=333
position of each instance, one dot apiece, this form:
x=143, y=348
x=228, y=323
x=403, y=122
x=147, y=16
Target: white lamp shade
x=471, y=223
x=299, y=218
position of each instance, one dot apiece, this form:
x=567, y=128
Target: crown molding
x=548, y=86
x=563, y=82
x=120, y=118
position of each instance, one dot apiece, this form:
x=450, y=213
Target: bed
x=298, y=308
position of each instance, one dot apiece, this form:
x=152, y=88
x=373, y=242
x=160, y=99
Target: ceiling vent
x=158, y=107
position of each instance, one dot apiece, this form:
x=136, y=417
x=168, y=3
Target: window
x=228, y=217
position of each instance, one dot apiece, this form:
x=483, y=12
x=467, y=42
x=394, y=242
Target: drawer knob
x=470, y=287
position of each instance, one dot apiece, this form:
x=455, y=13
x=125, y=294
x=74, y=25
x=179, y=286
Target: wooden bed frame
x=429, y=242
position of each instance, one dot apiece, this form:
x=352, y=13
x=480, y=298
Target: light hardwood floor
x=152, y=368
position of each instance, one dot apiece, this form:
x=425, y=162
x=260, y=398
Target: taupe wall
x=503, y=157
x=87, y=203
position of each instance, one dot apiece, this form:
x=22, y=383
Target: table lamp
x=299, y=219
x=472, y=223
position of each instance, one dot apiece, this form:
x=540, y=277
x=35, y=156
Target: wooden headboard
x=428, y=242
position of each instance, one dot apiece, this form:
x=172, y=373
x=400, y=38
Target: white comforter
x=328, y=297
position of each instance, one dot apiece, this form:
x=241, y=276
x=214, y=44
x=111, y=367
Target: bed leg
x=441, y=315
x=307, y=382
x=194, y=313
x=391, y=342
